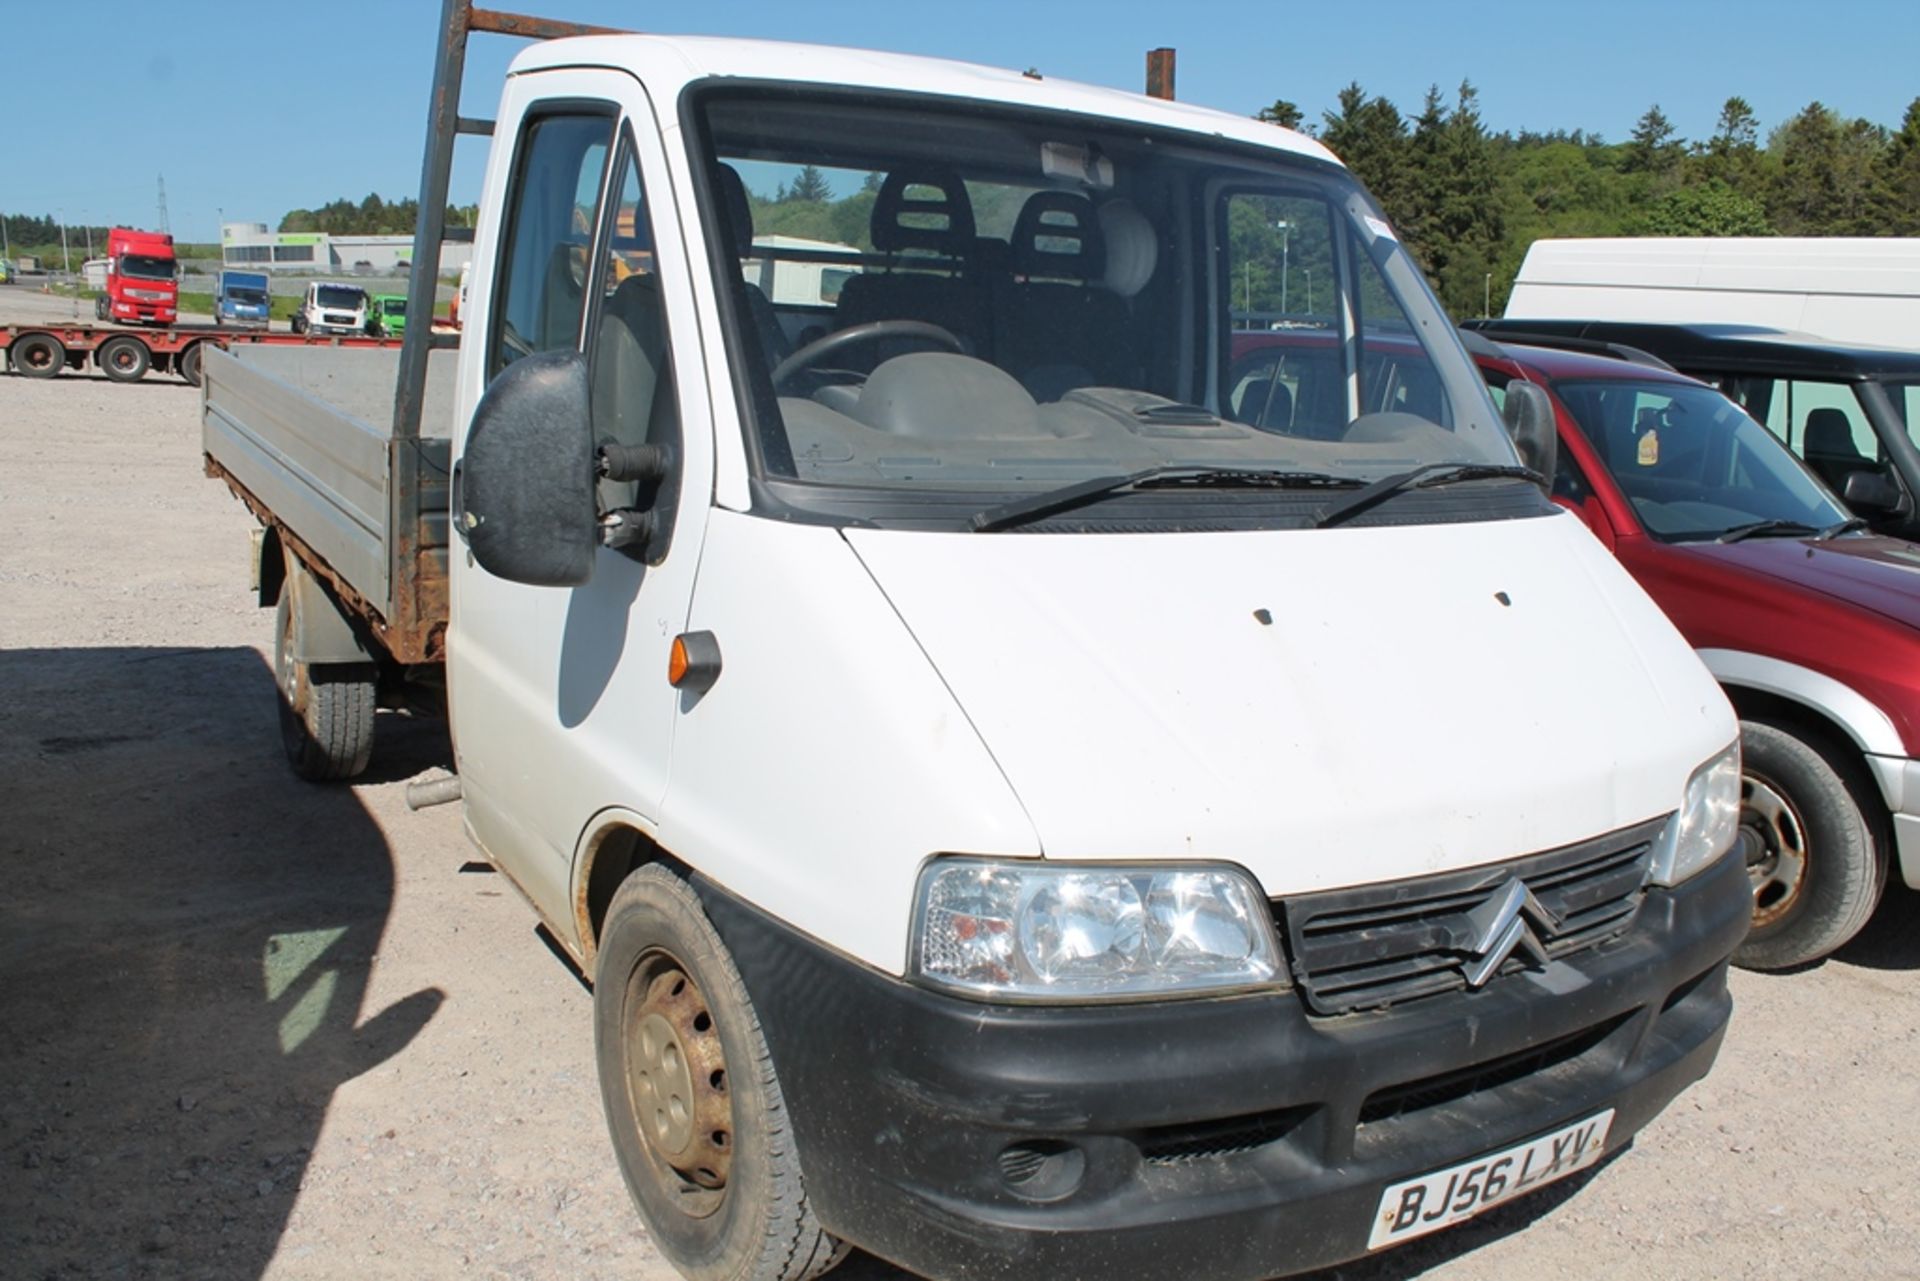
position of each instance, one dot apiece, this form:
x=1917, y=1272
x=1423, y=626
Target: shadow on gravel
x=186, y=935
x=1891, y=940
x=1410, y=1260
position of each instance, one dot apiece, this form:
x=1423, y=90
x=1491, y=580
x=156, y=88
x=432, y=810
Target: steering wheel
x=820, y=348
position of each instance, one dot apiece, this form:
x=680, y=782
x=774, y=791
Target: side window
x=1396, y=374
x=552, y=211
x=629, y=355
x=1815, y=419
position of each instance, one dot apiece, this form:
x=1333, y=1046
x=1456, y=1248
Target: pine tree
x=1282, y=113
x=1652, y=149
x=811, y=185
x=1898, y=178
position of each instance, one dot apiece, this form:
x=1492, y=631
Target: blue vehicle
x=241, y=299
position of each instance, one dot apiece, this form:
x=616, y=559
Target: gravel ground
x=251, y=1027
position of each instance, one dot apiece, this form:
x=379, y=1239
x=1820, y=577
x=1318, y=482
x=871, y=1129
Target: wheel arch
x=1760, y=682
x=616, y=844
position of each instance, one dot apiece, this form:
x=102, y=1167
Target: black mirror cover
x=1870, y=491
x=527, y=492
x=1529, y=416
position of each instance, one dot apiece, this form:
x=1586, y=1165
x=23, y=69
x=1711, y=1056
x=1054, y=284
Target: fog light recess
x=1044, y=1169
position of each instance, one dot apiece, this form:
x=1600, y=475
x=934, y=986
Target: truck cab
x=1012, y=803
x=242, y=299
x=388, y=317
x=142, y=284
x=330, y=307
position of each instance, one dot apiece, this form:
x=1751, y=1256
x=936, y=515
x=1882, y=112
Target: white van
x=1042, y=784
x=1848, y=290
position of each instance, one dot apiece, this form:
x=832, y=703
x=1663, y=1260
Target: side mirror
x=1529, y=416
x=1869, y=491
x=524, y=492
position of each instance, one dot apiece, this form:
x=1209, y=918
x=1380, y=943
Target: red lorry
x=143, y=279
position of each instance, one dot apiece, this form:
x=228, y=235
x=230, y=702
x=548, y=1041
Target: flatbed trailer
x=42, y=350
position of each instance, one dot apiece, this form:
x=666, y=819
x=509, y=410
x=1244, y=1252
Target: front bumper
x=1212, y=1137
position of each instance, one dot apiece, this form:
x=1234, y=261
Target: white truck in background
x=1018, y=815
x=1849, y=290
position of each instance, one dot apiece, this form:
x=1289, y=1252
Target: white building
x=255, y=246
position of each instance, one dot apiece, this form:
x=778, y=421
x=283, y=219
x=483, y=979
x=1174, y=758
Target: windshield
x=1906, y=403
x=342, y=296
x=141, y=267
x=246, y=293
x=1691, y=462
x=394, y=306
x=931, y=299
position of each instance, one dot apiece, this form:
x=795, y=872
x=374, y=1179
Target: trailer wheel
x=38, y=355
x=187, y=364
x=1816, y=862
x=326, y=709
x=692, y=1100
x=123, y=359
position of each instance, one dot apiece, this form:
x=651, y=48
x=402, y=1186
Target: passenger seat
x=1057, y=328
x=1830, y=450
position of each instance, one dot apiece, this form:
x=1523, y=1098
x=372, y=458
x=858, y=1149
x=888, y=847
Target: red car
x=1811, y=625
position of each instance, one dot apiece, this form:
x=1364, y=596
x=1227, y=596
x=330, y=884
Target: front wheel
x=1815, y=857
x=692, y=1099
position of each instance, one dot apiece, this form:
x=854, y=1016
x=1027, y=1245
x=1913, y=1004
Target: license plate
x=1433, y=1201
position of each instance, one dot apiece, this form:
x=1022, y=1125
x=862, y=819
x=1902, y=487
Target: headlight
x=1081, y=931
x=1708, y=820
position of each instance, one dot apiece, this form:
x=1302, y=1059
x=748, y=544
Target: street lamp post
x=1309, y=272
x=1285, y=228
x=66, y=263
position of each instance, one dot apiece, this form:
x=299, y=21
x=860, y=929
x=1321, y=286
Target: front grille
x=1380, y=945
x=1212, y=1140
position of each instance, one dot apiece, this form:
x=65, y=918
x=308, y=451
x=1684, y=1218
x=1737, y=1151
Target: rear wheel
x=125, y=360
x=326, y=709
x=692, y=1099
x=38, y=355
x=1815, y=857
x=187, y=364
x=99, y=307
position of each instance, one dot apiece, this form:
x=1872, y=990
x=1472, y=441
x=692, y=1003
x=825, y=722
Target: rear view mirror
x=1529, y=416
x=523, y=494
x=1869, y=491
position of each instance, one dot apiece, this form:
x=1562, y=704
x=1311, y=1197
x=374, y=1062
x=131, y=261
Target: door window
x=629, y=354
x=552, y=211
x=1822, y=422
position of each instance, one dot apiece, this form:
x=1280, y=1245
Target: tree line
x=371, y=216
x=1468, y=201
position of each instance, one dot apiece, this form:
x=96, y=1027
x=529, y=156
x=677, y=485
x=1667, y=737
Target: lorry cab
x=242, y=299
x=330, y=307
x=1012, y=803
x=388, y=317
x=142, y=282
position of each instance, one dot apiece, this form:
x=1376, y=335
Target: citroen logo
x=1500, y=927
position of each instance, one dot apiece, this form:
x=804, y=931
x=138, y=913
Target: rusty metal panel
x=1160, y=73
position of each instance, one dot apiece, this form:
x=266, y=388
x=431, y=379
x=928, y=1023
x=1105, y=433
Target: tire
x=123, y=359
x=99, y=307
x=717, y=1178
x=187, y=364
x=297, y=323
x=38, y=355
x=326, y=709
x=1816, y=857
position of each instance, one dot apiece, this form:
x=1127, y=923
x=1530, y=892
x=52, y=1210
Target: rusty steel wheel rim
x=1773, y=836
x=293, y=684
x=677, y=1083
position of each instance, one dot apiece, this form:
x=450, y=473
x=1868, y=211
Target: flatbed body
x=302, y=433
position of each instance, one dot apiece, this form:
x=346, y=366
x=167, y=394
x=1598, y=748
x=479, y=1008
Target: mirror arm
x=621, y=463
x=625, y=527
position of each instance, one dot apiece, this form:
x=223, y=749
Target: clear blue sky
x=257, y=106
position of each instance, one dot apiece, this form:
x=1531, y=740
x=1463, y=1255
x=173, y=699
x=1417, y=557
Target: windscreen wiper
x=1033, y=507
x=1768, y=529
x=1423, y=477
x=1840, y=527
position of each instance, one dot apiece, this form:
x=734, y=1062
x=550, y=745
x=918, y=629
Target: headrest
x=1133, y=247
x=923, y=207
x=1829, y=432
x=1057, y=234
x=735, y=209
